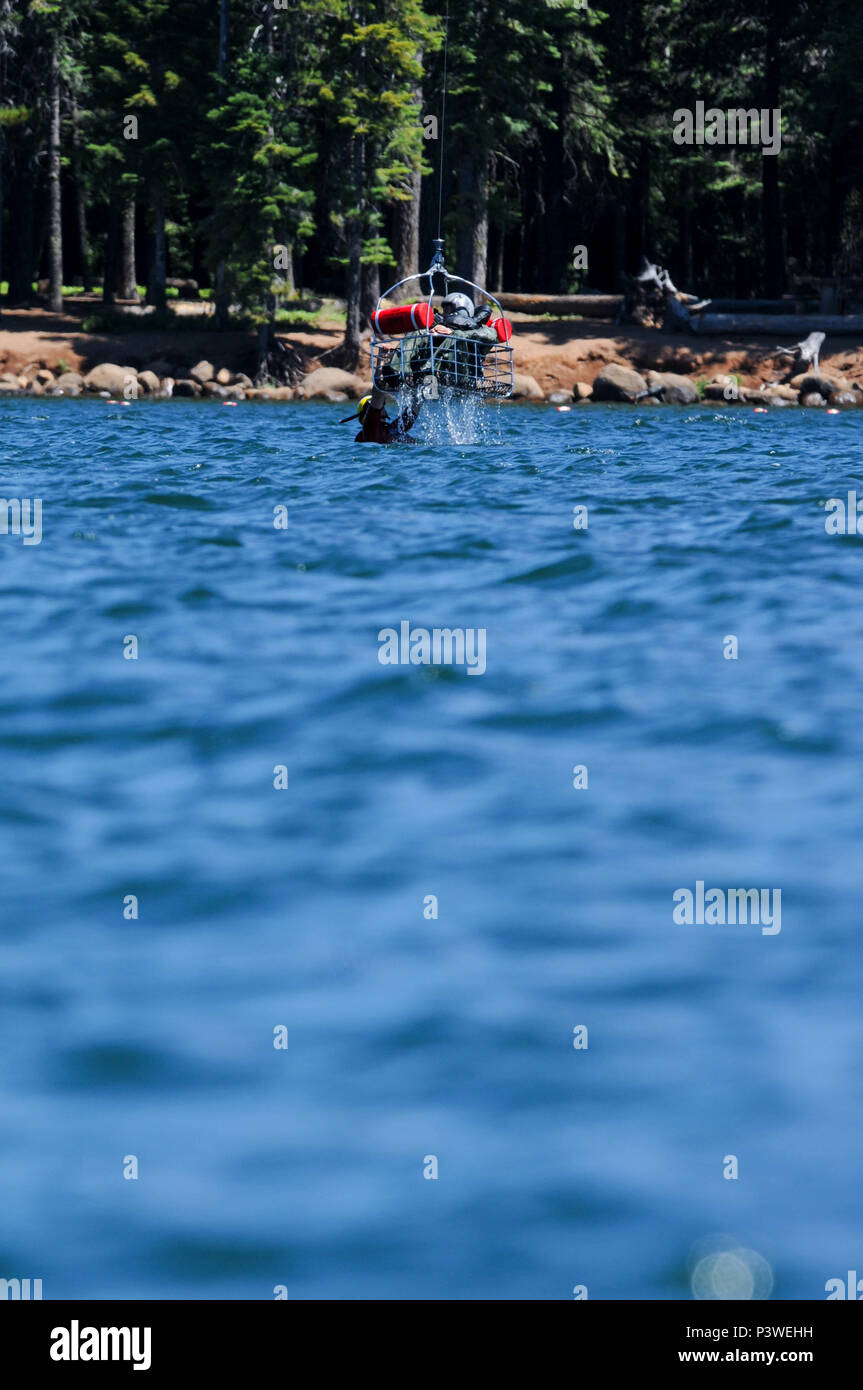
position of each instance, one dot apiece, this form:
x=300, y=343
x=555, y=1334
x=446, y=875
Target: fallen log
x=791, y=323
x=588, y=306
x=779, y=307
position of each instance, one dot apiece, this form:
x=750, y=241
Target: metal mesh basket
x=454, y=364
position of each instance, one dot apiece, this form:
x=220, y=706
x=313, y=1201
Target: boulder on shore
x=617, y=383
x=67, y=379
x=70, y=383
x=674, y=389
x=111, y=378
x=824, y=385
x=326, y=379
x=812, y=398
x=186, y=387
x=224, y=377
x=725, y=389
x=526, y=388
x=275, y=393
x=202, y=371
x=772, y=394
x=149, y=382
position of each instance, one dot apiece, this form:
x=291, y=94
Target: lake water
x=414, y=1037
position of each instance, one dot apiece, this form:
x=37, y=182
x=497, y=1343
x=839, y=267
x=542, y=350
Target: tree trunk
x=554, y=245
x=498, y=261
x=686, y=257
x=774, y=259
x=290, y=277
x=472, y=244
x=265, y=342
x=480, y=235
x=406, y=231
x=112, y=246
x=80, y=204
x=287, y=271
x=157, y=285
x=370, y=293
x=221, y=298
x=21, y=233
x=224, y=9
x=127, y=283
x=55, y=215
x=2, y=193
x=349, y=352
x=635, y=195
x=618, y=221
x=220, y=295
x=2, y=156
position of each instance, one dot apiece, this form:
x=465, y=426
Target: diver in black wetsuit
x=376, y=428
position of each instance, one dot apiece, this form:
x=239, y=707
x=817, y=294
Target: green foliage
x=115, y=321
x=307, y=134
x=366, y=102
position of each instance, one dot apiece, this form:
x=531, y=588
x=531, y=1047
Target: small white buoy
x=832, y=410
x=760, y=410
x=564, y=407
x=230, y=402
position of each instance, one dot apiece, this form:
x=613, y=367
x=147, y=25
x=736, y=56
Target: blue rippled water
x=411, y=1036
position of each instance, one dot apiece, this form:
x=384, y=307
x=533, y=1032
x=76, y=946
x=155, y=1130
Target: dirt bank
x=556, y=353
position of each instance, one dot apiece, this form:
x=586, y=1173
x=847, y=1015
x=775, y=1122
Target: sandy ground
x=556, y=352
x=36, y=336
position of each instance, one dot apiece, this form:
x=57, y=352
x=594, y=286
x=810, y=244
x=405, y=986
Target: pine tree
x=149, y=72
x=259, y=164
x=369, y=108
x=505, y=62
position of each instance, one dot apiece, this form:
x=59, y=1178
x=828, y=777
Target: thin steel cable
x=442, y=123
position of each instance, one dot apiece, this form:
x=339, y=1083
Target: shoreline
x=557, y=361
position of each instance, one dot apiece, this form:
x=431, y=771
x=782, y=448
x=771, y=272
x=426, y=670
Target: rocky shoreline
x=614, y=381
x=619, y=383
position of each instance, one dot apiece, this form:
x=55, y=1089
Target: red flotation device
x=402, y=320
x=503, y=329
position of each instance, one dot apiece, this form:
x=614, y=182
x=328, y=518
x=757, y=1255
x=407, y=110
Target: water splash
x=455, y=418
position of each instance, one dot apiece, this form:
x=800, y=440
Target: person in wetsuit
x=376, y=428
x=456, y=319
